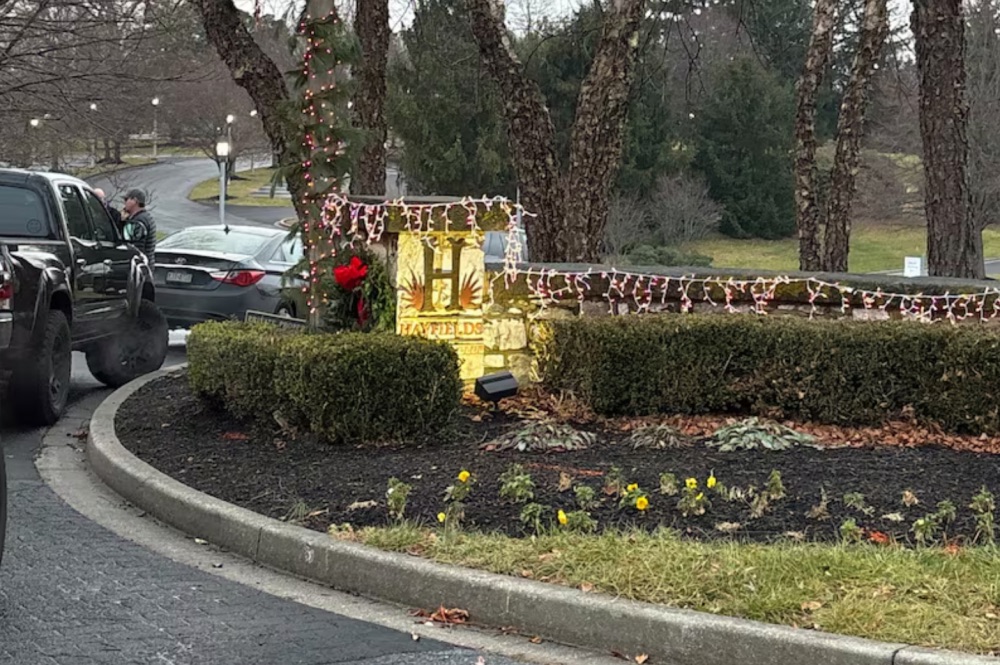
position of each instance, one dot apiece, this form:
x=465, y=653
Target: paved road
x=72, y=592
x=168, y=184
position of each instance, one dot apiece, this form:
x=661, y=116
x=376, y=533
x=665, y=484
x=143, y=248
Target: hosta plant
x=658, y=437
x=543, y=436
x=758, y=433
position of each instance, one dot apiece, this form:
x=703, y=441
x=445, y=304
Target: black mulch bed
x=286, y=477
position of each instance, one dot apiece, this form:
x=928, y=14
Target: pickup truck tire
x=139, y=349
x=41, y=388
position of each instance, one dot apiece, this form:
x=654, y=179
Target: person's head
x=135, y=200
x=99, y=193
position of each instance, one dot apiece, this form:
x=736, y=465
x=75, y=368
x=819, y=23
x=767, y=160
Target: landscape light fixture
x=34, y=122
x=230, y=119
x=495, y=387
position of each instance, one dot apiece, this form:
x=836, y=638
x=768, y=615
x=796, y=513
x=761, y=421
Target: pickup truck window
x=99, y=215
x=76, y=216
x=22, y=213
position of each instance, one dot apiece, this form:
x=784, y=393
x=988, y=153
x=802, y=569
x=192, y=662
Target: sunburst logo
x=414, y=292
x=470, y=294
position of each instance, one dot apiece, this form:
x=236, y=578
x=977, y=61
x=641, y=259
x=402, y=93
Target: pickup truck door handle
x=81, y=262
x=107, y=262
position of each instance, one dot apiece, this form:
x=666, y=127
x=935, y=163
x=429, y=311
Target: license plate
x=179, y=277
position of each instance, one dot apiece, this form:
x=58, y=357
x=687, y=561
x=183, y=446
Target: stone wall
x=512, y=309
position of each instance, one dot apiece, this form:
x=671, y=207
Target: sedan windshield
x=216, y=240
x=22, y=213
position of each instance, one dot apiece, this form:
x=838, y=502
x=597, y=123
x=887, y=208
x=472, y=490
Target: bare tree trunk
x=371, y=22
x=598, y=130
x=255, y=72
x=806, y=89
x=850, y=129
x=954, y=242
x=529, y=130
x=572, y=210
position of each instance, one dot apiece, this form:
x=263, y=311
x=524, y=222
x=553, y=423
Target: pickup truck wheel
x=40, y=390
x=139, y=349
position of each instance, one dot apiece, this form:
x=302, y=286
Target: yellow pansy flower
x=642, y=503
x=710, y=483
x=633, y=487
x=692, y=483
x=442, y=517
x=463, y=476
x=561, y=516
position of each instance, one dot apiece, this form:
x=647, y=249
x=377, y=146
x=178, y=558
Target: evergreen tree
x=445, y=109
x=744, y=150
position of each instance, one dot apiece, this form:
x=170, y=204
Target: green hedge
x=354, y=387
x=841, y=372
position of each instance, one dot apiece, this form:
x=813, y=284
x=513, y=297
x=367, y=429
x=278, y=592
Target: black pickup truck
x=68, y=281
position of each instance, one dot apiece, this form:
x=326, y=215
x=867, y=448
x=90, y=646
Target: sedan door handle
x=107, y=262
x=81, y=262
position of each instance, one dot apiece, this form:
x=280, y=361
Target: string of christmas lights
x=639, y=291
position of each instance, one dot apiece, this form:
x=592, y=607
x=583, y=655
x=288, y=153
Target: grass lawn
x=929, y=597
x=873, y=248
x=240, y=190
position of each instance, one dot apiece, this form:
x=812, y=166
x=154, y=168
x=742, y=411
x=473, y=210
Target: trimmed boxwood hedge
x=842, y=372
x=355, y=387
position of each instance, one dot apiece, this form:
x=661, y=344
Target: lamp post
x=222, y=152
x=253, y=114
x=93, y=132
x=34, y=123
x=156, y=106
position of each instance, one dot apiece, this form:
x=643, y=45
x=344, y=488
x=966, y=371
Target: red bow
x=350, y=276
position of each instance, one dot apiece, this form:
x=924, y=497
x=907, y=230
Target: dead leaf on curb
x=565, y=481
x=200, y=541
x=641, y=658
x=445, y=615
x=535, y=640
x=811, y=606
x=586, y=587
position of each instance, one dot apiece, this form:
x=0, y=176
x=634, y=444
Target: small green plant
x=856, y=500
x=754, y=433
x=924, y=529
x=614, y=481
x=759, y=504
x=850, y=532
x=516, y=485
x=454, y=497
x=586, y=497
x=532, y=515
x=669, y=484
x=579, y=521
x=543, y=436
x=634, y=497
x=658, y=437
x=693, y=501
x=775, y=488
x=984, y=507
x=946, y=512
x=396, y=497
x=821, y=511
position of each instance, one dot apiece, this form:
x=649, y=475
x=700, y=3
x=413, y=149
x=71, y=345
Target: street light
x=34, y=122
x=222, y=152
x=93, y=131
x=156, y=106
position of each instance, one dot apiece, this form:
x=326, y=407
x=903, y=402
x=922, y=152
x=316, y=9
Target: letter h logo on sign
x=453, y=276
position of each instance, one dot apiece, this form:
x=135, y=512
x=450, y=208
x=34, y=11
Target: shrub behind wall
x=353, y=387
x=840, y=372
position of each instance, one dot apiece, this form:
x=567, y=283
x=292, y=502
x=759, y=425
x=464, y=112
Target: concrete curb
x=602, y=623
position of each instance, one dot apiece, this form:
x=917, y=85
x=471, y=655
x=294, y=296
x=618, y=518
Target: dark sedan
x=206, y=273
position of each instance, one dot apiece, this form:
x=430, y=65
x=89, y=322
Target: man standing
x=139, y=227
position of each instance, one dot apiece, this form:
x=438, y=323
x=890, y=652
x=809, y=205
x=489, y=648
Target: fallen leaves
x=234, y=436
x=878, y=538
x=641, y=658
x=362, y=505
x=811, y=606
x=565, y=481
x=443, y=615
x=586, y=587
x=910, y=499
